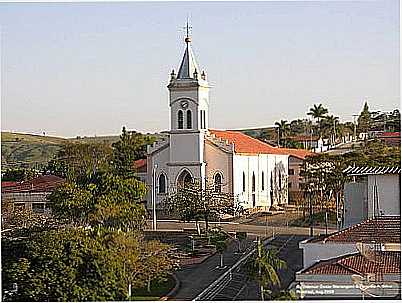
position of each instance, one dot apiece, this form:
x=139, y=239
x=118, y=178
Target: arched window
x=218, y=182
x=184, y=178
x=189, y=122
x=180, y=119
x=262, y=181
x=162, y=184
x=244, y=182
x=253, y=183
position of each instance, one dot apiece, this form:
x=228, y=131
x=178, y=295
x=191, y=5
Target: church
x=255, y=172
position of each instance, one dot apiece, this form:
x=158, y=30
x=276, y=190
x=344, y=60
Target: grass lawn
x=158, y=289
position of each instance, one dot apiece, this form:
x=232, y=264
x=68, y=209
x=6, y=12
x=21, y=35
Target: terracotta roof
x=384, y=262
x=390, y=135
x=44, y=183
x=298, y=153
x=246, y=144
x=140, y=165
x=5, y=184
x=370, y=170
x=380, y=230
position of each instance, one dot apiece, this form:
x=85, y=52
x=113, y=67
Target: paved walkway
x=195, y=278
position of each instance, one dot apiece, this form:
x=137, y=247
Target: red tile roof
x=390, y=135
x=380, y=230
x=246, y=144
x=140, y=165
x=298, y=153
x=384, y=262
x=45, y=183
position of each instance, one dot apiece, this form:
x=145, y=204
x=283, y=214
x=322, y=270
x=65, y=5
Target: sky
x=84, y=69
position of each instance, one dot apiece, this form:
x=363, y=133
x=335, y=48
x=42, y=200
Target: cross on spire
x=188, y=28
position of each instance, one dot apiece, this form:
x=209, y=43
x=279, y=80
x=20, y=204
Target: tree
x=130, y=147
x=318, y=112
x=74, y=264
x=110, y=202
x=17, y=174
x=283, y=129
x=329, y=126
x=196, y=201
x=81, y=162
x=364, y=120
x=263, y=268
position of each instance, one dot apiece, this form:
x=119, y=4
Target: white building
x=368, y=251
x=374, y=191
x=255, y=172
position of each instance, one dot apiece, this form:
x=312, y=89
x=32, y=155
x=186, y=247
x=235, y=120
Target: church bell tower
x=188, y=101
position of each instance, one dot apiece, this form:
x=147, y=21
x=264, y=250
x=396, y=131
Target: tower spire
x=188, y=64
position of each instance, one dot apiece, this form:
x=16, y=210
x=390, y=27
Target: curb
x=173, y=291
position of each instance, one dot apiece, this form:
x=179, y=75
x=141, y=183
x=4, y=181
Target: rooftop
x=46, y=183
x=379, y=230
x=246, y=144
x=384, y=262
x=370, y=170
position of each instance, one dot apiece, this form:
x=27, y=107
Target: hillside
x=34, y=151
x=25, y=150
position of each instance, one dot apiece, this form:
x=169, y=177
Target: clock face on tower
x=184, y=104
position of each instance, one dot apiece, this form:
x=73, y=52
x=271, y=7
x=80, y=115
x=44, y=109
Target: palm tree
x=317, y=112
x=283, y=129
x=264, y=268
x=329, y=126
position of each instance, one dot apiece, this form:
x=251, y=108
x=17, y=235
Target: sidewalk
x=195, y=278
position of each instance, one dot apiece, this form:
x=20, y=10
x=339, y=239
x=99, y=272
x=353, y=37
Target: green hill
x=34, y=151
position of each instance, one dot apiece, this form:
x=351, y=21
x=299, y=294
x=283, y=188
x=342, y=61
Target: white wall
x=258, y=164
x=219, y=161
x=389, y=194
x=314, y=252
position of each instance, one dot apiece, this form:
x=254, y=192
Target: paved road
x=251, y=229
x=195, y=278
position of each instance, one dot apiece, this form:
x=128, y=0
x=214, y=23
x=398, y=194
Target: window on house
x=290, y=185
x=291, y=171
x=180, y=119
x=262, y=181
x=244, y=182
x=253, y=183
x=162, y=184
x=189, y=122
x=218, y=182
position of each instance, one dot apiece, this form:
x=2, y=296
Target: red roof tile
x=45, y=183
x=380, y=230
x=246, y=144
x=140, y=165
x=384, y=262
x=298, y=153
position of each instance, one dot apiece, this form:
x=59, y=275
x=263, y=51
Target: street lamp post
x=154, y=197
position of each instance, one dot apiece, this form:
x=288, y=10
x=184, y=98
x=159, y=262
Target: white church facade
x=255, y=172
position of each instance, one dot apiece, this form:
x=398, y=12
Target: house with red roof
x=337, y=265
x=31, y=194
x=255, y=172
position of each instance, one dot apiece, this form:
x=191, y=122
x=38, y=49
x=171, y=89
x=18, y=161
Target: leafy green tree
x=264, y=269
x=81, y=162
x=364, y=120
x=74, y=264
x=196, y=201
x=112, y=202
x=130, y=147
x=18, y=174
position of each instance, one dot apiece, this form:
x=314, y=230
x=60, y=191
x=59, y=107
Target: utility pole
x=354, y=123
x=311, y=214
x=154, y=197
